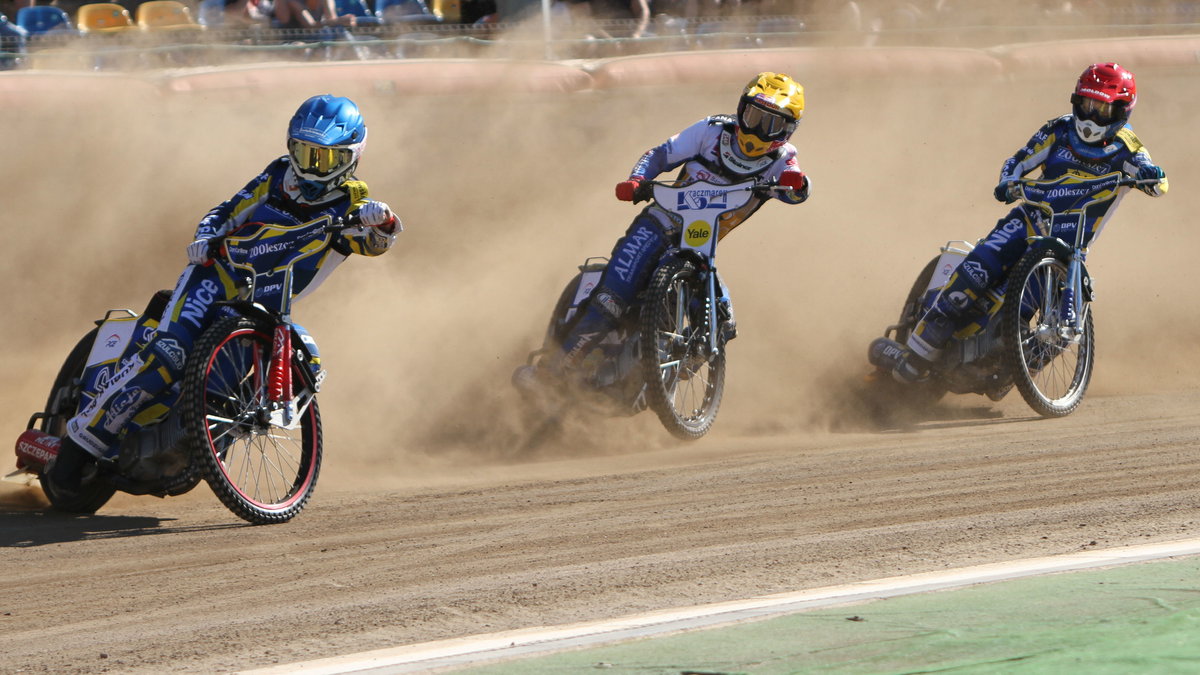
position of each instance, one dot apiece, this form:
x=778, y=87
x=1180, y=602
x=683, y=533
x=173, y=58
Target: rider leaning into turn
x=720, y=149
x=311, y=186
x=1093, y=140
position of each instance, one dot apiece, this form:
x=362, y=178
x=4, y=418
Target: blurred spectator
x=474, y=10
x=310, y=14
x=516, y=10
x=245, y=13
x=598, y=17
x=684, y=9
x=11, y=7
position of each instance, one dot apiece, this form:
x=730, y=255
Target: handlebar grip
x=215, y=246
x=644, y=192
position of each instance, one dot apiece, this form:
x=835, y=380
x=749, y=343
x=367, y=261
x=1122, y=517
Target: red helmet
x=1103, y=99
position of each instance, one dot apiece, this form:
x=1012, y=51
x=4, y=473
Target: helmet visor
x=1099, y=112
x=769, y=125
x=319, y=160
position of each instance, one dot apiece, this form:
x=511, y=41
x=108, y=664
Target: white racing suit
x=704, y=151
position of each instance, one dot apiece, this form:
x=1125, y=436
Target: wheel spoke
x=1051, y=367
x=261, y=471
x=684, y=385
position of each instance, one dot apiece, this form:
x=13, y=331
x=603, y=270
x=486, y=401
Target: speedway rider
x=721, y=149
x=1093, y=140
x=310, y=187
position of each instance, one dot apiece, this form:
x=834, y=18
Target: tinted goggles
x=1097, y=111
x=316, y=159
x=770, y=125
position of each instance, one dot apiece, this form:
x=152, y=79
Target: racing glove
x=378, y=214
x=197, y=252
x=1155, y=173
x=1004, y=192
x=632, y=190
x=795, y=181
x=1150, y=172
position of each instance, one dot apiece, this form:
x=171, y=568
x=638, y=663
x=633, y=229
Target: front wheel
x=1050, y=367
x=684, y=378
x=261, y=467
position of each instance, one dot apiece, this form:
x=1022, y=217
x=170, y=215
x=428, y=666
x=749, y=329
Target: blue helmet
x=325, y=139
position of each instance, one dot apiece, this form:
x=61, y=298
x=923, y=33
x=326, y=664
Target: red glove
x=793, y=180
x=627, y=188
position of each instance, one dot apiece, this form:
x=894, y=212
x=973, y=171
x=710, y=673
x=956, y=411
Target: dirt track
x=425, y=527
x=150, y=586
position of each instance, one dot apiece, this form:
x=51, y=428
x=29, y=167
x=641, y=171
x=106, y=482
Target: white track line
x=477, y=649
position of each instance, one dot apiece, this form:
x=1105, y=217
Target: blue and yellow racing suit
x=704, y=151
x=271, y=205
x=1057, y=151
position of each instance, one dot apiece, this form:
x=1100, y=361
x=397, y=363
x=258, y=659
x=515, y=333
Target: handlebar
x=216, y=245
x=1070, y=197
x=774, y=187
x=645, y=189
x=1036, y=191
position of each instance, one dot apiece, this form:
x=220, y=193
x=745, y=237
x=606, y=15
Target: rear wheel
x=914, y=308
x=556, y=332
x=684, y=379
x=61, y=405
x=261, y=468
x=929, y=391
x=1050, y=367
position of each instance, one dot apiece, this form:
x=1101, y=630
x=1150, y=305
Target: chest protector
x=731, y=163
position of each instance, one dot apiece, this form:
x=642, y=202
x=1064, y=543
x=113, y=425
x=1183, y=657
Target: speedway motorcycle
x=244, y=416
x=667, y=353
x=1035, y=331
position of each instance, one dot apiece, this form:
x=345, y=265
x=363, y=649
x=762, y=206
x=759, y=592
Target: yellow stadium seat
x=449, y=10
x=103, y=17
x=165, y=15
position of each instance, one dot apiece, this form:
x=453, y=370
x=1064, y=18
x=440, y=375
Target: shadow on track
x=25, y=528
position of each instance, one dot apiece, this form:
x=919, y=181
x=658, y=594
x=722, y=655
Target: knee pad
x=608, y=303
x=968, y=283
x=171, y=353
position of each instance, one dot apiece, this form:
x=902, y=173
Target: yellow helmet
x=770, y=107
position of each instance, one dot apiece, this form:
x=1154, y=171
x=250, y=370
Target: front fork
x=712, y=313
x=1072, y=311
x=279, y=378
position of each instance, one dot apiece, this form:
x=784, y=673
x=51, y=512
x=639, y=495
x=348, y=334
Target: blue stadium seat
x=42, y=19
x=405, y=11
x=211, y=13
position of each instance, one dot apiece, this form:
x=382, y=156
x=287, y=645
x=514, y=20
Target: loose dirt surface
x=429, y=523
x=177, y=585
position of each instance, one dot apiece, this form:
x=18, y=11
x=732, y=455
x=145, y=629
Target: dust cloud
x=502, y=196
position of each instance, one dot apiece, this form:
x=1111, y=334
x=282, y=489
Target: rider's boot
x=935, y=329
x=905, y=366
x=559, y=367
x=535, y=379
x=924, y=347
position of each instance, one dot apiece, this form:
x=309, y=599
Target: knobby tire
x=684, y=382
x=1051, y=373
x=262, y=472
x=94, y=492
